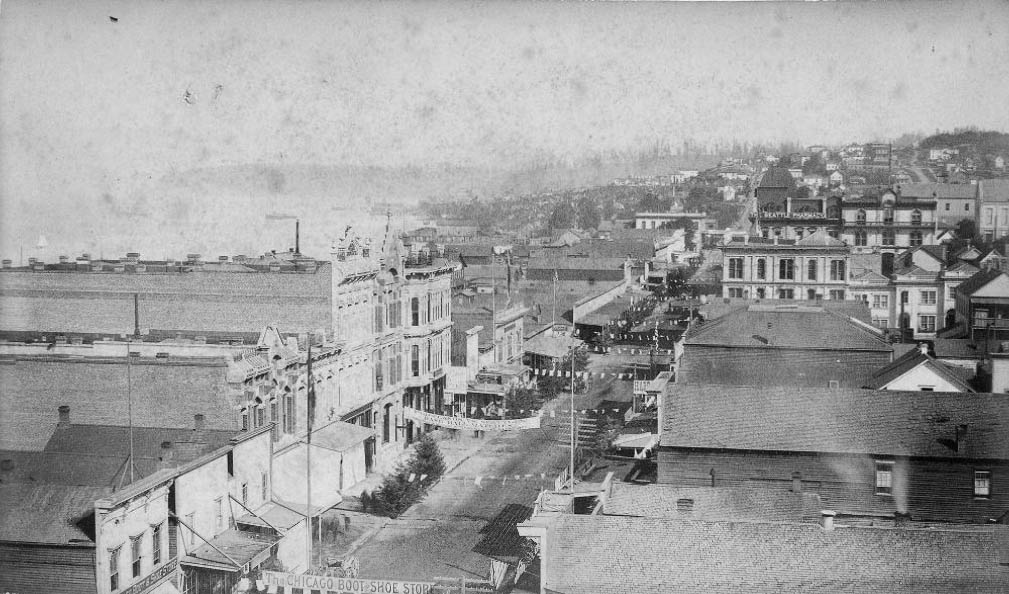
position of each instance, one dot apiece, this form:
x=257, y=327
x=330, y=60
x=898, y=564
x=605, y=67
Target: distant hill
x=983, y=141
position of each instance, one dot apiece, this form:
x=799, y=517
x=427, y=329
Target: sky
x=98, y=117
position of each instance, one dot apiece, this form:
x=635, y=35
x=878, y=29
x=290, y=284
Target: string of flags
x=583, y=374
x=552, y=414
x=628, y=350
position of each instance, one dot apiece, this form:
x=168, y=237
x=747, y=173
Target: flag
x=311, y=392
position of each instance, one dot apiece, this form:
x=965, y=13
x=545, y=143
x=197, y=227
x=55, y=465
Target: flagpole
x=571, y=476
x=308, y=459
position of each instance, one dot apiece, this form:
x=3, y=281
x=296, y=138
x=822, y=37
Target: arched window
x=861, y=238
x=415, y=311
x=387, y=423
x=415, y=360
x=811, y=270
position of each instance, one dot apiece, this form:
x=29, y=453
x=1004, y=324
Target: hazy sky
x=89, y=106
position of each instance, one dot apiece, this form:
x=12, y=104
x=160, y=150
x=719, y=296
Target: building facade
x=813, y=268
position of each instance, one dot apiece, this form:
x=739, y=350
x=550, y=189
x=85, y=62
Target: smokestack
x=136, y=315
x=297, y=236
x=961, y=438
x=64, y=416
x=827, y=519
x=796, y=482
x=198, y=422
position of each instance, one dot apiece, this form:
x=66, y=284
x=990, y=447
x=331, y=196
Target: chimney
x=796, y=482
x=961, y=438
x=923, y=348
x=198, y=422
x=194, y=259
x=167, y=453
x=297, y=236
x=222, y=259
x=133, y=257
x=64, y=259
x=827, y=519
x=746, y=239
x=64, y=416
x=7, y=263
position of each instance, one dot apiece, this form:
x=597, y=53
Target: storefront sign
x=344, y=585
x=472, y=424
x=159, y=575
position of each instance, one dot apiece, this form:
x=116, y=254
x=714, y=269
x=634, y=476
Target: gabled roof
x=912, y=360
x=820, y=238
x=962, y=267
x=870, y=276
x=845, y=420
x=979, y=281
x=793, y=327
x=591, y=554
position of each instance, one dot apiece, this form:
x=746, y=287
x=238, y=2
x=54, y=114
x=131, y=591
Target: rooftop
x=711, y=503
x=604, y=554
x=836, y=420
x=49, y=514
x=938, y=190
x=787, y=326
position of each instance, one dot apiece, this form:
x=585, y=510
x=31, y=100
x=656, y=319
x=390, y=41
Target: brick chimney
x=827, y=519
x=198, y=422
x=64, y=416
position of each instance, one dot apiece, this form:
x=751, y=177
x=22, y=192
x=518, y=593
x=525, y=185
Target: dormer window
x=860, y=217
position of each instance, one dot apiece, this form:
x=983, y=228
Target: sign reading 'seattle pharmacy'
x=337, y=585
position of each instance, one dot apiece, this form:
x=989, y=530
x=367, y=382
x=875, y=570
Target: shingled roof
x=838, y=420
x=711, y=503
x=787, y=326
x=612, y=555
x=979, y=281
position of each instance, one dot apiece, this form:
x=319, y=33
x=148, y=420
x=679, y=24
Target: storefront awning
x=232, y=550
x=340, y=436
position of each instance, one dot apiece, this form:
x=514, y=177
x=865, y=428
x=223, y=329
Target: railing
x=991, y=322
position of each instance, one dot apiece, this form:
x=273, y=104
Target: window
x=760, y=293
x=952, y=293
x=881, y=301
x=837, y=270
x=786, y=293
x=889, y=237
x=798, y=233
x=926, y=323
x=916, y=217
x=191, y=522
x=811, y=294
x=837, y=294
x=915, y=238
x=114, y=568
x=156, y=543
x=947, y=206
x=928, y=297
x=888, y=215
x=415, y=311
x=245, y=420
x=786, y=269
x=219, y=513
x=966, y=206
x=761, y=268
x=427, y=360
x=736, y=292
x=881, y=323
x=811, y=270
x=135, y=545
x=735, y=268
x=245, y=494
x=982, y=483
x=377, y=356
x=884, y=477
x=415, y=360
x=860, y=217
x=861, y=238
x=265, y=488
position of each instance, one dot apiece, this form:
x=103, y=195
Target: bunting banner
x=583, y=374
x=472, y=424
